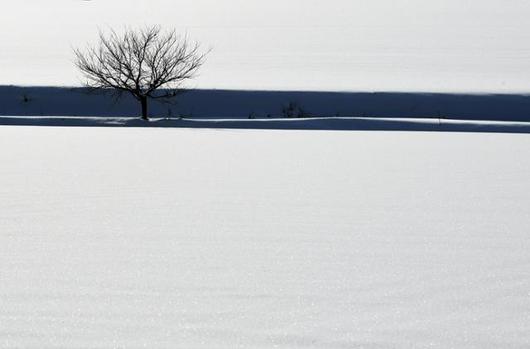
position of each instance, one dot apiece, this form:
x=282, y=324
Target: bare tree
x=147, y=63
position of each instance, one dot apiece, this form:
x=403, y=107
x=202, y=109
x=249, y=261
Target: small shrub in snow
x=294, y=110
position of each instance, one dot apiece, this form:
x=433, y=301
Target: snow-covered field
x=361, y=45
x=170, y=238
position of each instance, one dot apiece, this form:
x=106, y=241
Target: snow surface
x=314, y=123
x=170, y=238
x=363, y=45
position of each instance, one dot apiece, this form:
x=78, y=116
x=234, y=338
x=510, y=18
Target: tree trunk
x=143, y=101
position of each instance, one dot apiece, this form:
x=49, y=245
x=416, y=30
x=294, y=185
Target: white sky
x=449, y=45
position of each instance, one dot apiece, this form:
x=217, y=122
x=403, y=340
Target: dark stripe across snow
x=328, y=123
x=62, y=101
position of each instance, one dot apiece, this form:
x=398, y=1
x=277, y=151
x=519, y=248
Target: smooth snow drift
x=328, y=123
x=168, y=238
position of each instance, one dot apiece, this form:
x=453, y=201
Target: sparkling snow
x=168, y=238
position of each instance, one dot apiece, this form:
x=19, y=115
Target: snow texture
x=170, y=238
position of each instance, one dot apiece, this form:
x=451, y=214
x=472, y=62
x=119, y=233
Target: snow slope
x=350, y=45
x=169, y=238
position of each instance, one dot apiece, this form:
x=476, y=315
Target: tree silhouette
x=147, y=63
